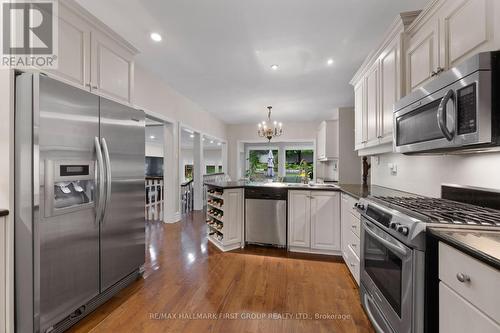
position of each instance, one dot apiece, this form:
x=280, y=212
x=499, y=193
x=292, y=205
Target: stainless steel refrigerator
x=79, y=201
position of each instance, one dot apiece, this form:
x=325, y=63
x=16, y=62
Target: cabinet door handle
x=352, y=264
x=95, y=87
x=353, y=246
x=87, y=85
x=464, y=278
x=439, y=70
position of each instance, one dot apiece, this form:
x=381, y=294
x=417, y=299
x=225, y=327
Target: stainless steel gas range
x=393, y=250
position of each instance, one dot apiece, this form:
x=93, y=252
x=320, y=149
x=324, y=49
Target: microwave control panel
x=466, y=110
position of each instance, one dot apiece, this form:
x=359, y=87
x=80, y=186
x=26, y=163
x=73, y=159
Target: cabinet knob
x=94, y=87
x=464, y=278
x=87, y=85
x=352, y=264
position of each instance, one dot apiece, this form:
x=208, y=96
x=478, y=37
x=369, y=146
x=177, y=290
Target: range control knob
x=393, y=225
x=360, y=206
x=403, y=230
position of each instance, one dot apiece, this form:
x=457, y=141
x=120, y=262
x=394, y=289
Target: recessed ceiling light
x=203, y=139
x=152, y=137
x=191, y=136
x=275, y=67
x=219, y=144
x=329, y=62
x=211, y=141
x=155, y=37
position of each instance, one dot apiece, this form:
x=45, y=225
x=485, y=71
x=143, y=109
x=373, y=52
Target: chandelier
x=274, y=129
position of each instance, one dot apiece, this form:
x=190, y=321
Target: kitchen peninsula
x=313, y=222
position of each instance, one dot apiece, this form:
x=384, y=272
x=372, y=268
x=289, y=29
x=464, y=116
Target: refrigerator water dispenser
x=69, y=186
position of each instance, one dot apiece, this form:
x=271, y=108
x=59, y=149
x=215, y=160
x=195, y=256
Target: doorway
x=154, y=170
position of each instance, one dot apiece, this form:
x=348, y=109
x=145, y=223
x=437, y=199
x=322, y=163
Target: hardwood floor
x=190, y=286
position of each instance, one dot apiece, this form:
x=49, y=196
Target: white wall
x=154, y=149
x=425, y=174
x=238, y=134
x=154, y=95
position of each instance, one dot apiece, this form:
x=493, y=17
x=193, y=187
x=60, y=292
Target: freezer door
x=123, y=224
x=67, y=228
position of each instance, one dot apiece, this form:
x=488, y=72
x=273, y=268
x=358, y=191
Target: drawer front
x=352, y=241
x=351, y=201
x=482, y=288
x=352, y=263
x=355, y=225
x=458, y=315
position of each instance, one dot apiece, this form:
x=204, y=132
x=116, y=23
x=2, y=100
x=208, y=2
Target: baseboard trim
x=313, y=251
x=172, y=218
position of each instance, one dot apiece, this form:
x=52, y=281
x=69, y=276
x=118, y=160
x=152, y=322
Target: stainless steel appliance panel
x=452, y=112
x=69, y=241
x=265, y=221
x=386, y=275
x=122, y=132
x=24, y=206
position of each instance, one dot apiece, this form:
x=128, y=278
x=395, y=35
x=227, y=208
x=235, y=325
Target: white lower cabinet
x=350, y=226
x=299, y=219
x=458, y=315
x=469, y=293
x=314, y=222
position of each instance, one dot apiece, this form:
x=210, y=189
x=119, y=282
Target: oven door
x=458, y=115
x=386, y=275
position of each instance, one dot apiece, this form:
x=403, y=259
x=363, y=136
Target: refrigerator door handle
x=100, y=181
x=108, y=176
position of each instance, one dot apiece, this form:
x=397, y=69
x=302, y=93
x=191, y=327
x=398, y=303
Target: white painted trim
x=279, y=144
x=335, y=253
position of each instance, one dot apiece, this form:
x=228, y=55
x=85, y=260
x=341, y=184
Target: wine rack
x=224, y=217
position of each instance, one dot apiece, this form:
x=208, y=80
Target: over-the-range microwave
x=458, y=111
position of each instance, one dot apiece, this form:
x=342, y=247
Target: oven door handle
x=369, y=302
x=441, y=115
x=391, y=246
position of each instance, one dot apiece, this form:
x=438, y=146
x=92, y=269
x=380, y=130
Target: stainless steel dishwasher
x=265, y=216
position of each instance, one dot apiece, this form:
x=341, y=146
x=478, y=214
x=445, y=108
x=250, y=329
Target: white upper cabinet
x=422, y=55
x=378, y=84
x=91, y=56
x=448, y=32
x=327, y=143
x=468, y=27
x=74, y=49
x=112, y=68
x=372, y=103
x=360, y=132
x=390, y=89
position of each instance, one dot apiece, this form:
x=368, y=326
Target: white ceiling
x=218, y=53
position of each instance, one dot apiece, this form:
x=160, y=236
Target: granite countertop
x=4, y=212
x=356, y=190
x=483, y=245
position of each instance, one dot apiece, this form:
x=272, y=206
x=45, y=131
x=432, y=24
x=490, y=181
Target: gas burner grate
x=446, y=211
